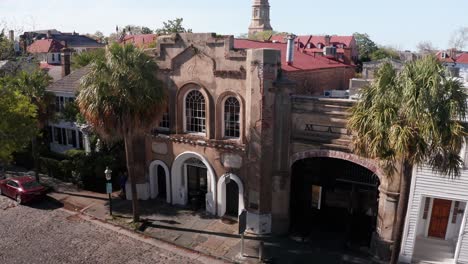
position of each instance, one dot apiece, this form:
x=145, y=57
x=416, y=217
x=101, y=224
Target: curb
x=154, y=241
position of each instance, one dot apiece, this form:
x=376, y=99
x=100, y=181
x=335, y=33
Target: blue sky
x=398, y=23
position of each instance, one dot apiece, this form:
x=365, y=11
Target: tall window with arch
x=164, y=124
x=195, y=112
x=232, y=118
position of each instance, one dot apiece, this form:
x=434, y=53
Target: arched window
x=232, y=118
x=195, y=116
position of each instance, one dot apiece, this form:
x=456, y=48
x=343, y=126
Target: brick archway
x=366, y=163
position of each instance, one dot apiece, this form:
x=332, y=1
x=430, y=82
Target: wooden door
x=439, y=218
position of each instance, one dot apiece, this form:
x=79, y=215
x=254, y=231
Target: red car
x=22, y=189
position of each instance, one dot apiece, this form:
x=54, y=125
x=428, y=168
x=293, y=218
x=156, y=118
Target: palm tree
x=408, y=119
x=34, y=85
x=122, y=99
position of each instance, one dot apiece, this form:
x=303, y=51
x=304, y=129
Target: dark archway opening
x=161, y=183
x=232, y=199
x=334, y=203
x=197, y=183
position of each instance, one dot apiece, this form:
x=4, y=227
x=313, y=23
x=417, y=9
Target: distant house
x=370, y=68
x=73, y=40
x=46, y=50
x=456, y=63
x=66, y=135
x=141, y=40
x=344, y=47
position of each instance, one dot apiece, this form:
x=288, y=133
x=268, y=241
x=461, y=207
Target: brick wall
x=317, y=81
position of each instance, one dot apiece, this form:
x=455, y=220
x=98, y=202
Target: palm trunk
x=131, y=175
x=35, y=156
x=405, y=187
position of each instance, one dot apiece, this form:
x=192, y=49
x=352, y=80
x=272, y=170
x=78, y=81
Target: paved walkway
x=196, y=230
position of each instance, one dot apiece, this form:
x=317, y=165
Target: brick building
x=243, y=126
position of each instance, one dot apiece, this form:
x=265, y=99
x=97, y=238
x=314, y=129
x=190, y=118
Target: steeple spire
x=260, y=17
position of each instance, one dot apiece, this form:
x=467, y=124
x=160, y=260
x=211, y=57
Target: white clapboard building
x=436, y=229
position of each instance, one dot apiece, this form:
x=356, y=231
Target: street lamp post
x=108, y=173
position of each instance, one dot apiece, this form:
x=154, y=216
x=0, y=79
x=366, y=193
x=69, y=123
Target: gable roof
x=69, y=83
x=74, y=40
x=302, y=61
x=463, y=58
x=45, y=46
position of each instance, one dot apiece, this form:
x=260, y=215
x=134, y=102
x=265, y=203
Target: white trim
x=153, y=179
x=462, y=233
x=407, y=220
x=449, y=223
x=179, y=181
x=184, y=114
x=222, y=193
x=429, y=216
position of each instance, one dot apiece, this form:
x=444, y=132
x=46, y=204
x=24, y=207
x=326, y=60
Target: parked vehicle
x=23, y=189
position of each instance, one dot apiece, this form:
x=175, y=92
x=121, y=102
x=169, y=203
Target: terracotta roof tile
x=302, y=61
x=45, y=46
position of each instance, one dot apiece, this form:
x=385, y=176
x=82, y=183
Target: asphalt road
x=43, y=233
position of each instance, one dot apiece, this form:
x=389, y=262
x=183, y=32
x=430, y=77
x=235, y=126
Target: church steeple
x=260, y=17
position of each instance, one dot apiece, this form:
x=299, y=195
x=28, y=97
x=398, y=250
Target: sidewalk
x=197, y=231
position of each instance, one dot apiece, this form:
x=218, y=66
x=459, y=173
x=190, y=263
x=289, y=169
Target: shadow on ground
x=47, y=203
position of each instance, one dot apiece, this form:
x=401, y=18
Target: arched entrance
x=334, y=202
x=193, y=181
x=230, y=195
x=160, y=186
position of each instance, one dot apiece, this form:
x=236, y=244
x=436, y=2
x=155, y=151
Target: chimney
x=49, y=34
x=327, y=40
x=12, y=36
x=66, y=61
x=347, y=56
x=290, y=49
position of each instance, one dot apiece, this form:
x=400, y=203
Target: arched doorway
x=334, y=202
x=230, y=195
x=232, y=200
x=193, y=182
x=160, y=186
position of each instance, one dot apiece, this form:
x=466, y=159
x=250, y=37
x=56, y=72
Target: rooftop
x=45, y=46
x=302, y=61
x=69, y=83
x=141, y=40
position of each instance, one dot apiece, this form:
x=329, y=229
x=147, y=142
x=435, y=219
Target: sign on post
x=109, y=188
x=242, y=221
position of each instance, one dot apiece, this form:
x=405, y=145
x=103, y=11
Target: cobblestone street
x=44, y=233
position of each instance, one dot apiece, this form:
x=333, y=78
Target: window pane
x=195, y=112
x=165, y=120
x=232, y=118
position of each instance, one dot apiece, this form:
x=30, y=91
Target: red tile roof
x=45, y=46
x=446, y=59
x=463, y=58
x=141, y=41
x=302, y=61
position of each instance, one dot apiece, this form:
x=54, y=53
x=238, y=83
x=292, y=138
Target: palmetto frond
x=121, y=94
x=413, y=116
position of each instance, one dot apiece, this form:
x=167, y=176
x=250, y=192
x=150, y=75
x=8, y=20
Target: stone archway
x=154, y=177
x=179, y=181
x=366, y=163
x=382, y=242
x=222, y=193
